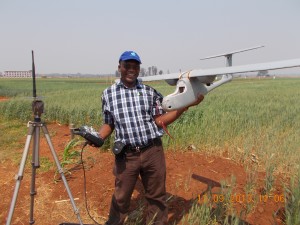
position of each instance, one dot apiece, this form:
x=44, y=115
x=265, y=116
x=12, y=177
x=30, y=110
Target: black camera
x=118, y=147
x=90, y=135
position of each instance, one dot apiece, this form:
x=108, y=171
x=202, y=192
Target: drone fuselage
x=188, y=89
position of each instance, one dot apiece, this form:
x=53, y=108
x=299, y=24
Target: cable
x=84, y=184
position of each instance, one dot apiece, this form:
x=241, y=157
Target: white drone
x=190, y=83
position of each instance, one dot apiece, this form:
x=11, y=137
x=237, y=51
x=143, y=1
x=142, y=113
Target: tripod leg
x=19, y=176
x=60, y=170
x=35, y=164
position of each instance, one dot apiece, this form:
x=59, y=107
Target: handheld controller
x=89, y=134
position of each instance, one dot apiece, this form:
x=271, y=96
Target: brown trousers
x=151, y=166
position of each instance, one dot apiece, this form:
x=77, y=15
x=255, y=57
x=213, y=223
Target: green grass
x=260, y=117
x=12, y=132
x=217, y=208
x=66, y=100
x=292, y=202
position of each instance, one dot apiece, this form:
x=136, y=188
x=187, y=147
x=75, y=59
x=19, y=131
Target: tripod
x=34, y=131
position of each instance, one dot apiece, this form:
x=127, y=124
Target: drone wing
x=190, y=83
x=208, y=75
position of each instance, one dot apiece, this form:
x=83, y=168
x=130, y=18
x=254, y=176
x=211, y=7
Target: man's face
x=129, y=70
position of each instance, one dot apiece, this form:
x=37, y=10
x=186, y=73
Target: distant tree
x=143, y=72
x=263, y=73
x=154, y=70
x=160, y=72
x=149, y=71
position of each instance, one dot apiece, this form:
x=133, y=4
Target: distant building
x=18, y=74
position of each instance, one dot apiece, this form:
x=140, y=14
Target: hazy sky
x=73, y=36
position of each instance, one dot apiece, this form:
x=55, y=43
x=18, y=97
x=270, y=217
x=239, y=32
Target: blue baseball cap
x=128, y=55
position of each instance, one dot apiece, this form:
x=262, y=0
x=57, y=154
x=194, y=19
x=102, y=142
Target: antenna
x=37, y=105
x=33, y=76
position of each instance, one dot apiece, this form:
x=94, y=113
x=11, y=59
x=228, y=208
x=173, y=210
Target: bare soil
x=189, y=176
x=2, y=98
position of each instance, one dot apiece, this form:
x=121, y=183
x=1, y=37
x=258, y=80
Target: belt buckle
x=137, y=149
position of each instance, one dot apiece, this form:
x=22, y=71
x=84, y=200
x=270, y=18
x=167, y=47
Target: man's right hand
x=90, y=135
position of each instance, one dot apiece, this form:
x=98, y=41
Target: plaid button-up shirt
x=132, y=111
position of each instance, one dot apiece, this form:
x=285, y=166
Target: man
x=134, y=111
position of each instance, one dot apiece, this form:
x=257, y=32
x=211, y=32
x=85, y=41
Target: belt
x=141, y=148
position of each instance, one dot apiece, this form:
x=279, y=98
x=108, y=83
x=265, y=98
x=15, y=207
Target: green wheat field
x=250, y=118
